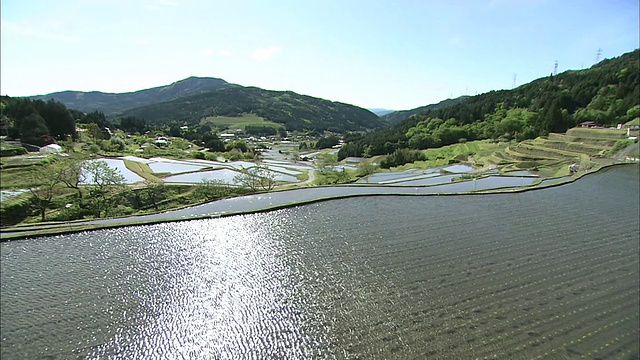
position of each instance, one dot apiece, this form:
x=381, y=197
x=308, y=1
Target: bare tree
x=45, y=187
x=257, y=178
x=72, y=174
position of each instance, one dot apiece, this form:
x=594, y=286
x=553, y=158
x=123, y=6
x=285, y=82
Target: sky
x=393, y=54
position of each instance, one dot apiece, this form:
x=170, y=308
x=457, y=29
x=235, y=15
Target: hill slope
x=397, y=116
x=380, y=111
x=608, y=93
x=294, y=111
x=112, y=103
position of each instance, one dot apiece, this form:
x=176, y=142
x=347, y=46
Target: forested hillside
x=112, y=103
x=608, y=93
x=36, y=122
x=397, y=116
x=294, y=111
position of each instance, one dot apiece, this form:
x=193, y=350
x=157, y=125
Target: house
x=51, y=149
x=589, y=124
x=162, y=141
x=632, y=127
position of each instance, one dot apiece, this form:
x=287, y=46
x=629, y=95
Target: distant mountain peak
x=113, y=103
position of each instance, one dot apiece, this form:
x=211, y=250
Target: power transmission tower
x=598, y=54
x=513, y=86
x=555, y=69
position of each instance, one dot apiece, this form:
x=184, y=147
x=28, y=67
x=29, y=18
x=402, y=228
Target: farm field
x=238, y=122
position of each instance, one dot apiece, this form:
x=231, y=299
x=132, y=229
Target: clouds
x=265, y=54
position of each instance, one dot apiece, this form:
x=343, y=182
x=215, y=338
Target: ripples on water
x=512, y=276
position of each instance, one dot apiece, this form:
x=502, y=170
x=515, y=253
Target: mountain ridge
x=399, y=115
x=114, y=103
x=189, y=100
x=295, y=111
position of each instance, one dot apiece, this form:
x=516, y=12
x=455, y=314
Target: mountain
x=395, y=117
x=294, y=111
x=607, y=93
x=113, y=103
x=380, y=112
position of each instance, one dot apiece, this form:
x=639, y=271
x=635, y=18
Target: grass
x=143, y=170
x=239, y=122
x=598, y=133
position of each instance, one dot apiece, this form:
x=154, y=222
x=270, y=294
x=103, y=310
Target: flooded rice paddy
x=544, y=274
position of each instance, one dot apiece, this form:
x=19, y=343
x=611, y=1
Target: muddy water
x=550, y=274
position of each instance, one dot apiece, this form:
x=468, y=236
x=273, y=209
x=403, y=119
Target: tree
x=239, y=145
x=554, y=121
x=211, y=190
x=72, y=174
x=32, y=129
x=213, y=143
x=327, y=142
x=256, y=178
x=366, y=168
x=94, y=131
x=58, y=119
x=154, y=192
x=104, y=184
x=47, y=180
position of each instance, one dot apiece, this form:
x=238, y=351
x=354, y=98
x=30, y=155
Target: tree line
x=36, y=122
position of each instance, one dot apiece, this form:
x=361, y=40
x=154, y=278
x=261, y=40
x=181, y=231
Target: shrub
x=12, y=151
x=199, y=155
x=14, y=211
x=401, y=157
x=117, y=144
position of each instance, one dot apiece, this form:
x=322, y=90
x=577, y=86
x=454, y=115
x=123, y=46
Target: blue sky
x=395, y=54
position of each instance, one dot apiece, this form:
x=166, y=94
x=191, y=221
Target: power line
x=598, y=54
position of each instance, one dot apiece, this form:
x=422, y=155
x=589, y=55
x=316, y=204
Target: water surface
x=510, y=276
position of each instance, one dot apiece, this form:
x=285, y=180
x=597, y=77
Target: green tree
x=213, y=143
x=105, y=183
x=554, y=120
x=237, y=144
x=32, y=129
x=211, y=190
x=153, y=192
x=366, y=168
x=94, y=131
x=59, y=120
